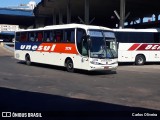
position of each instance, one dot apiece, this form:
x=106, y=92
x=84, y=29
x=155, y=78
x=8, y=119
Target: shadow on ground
x=59, y=68
x=58, y=107
x=131, y=63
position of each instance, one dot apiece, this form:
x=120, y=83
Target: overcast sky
x=10, y=3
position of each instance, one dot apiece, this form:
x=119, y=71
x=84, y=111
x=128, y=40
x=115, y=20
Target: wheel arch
x=141, y=54
x=138, y=55
x=27, y=54
x=68, y=58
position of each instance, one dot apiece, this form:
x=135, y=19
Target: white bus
x=138, y=45
x=74, y=46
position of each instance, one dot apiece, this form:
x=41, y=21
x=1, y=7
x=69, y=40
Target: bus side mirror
x=89, y=41
x=117, y=45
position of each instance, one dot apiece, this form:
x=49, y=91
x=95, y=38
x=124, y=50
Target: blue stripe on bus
x=26, y=46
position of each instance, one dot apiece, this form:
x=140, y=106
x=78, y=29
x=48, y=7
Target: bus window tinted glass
x=32, y=36
x=23, y=37
x=80, y=35
x=69, y=35
x=135, y=37
x=39, y=36
x=17, y=36
x=49, y=36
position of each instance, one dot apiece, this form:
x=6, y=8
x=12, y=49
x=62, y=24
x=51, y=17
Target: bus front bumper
x=103, y=67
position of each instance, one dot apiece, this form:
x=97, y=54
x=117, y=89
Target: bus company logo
x=42, y=47
x=144, y=47
x=152, y=47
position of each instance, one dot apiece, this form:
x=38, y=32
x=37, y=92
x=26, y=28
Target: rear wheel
x=69, y=65
x=140, y=60
x=28, y=60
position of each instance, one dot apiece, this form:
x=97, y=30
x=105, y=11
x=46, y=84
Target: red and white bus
x=138, y=45
x=74, y=46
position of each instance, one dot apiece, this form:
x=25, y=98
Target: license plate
x=106, y=68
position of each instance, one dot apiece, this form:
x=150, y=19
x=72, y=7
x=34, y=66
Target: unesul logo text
x=38, y=48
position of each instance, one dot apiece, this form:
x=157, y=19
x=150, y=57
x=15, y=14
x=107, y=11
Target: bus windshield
x=103, y=44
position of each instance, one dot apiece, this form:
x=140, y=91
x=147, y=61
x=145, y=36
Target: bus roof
x=65, y=26
x=7, y=32
x=137, y=30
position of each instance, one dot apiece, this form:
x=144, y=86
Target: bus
x=7, y=36
x=138, y=45
x=74, y=46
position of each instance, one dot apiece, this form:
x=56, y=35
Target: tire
x=140, y=60
x=69, y=65
x=28, y=60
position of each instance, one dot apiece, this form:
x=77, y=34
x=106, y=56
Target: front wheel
x=140, y=60
x=70, y=66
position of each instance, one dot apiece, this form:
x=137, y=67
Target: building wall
x=5, y=27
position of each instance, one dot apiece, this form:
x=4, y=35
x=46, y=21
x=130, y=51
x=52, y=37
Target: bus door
x=82, y=46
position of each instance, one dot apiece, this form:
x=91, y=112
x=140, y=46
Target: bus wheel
x=69, y=65
x=140, y=60
x=28, y=60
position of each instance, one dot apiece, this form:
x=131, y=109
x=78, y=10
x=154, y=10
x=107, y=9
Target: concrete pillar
x=60, y=17
x=122, y=13
x=129, y=23
x=68, y=12
x=141, y=20
x=156, y=17
x=39, y=22
x=54, y=17
x=86, y=19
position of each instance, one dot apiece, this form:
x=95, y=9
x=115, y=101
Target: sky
x=10, y=3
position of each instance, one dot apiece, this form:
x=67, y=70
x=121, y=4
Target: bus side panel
x=20, y=55
x=124, y=55
x=154, y=56
x=53, y=58
x=127, y=52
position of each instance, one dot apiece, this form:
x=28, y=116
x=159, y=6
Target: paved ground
x=50, y=88
x=5, y=52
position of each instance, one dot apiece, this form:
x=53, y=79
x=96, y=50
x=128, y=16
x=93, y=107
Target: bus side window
x=39, y=37
x=59, y=36
x=69, y=35
x=46, y=36
x=49, y=36
x=80, y=39
x=23, y=37
x=66, y=39
x=156, y=38
x=122, y=37
x=31, y=36
x=52, y=36
x=18, y=36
